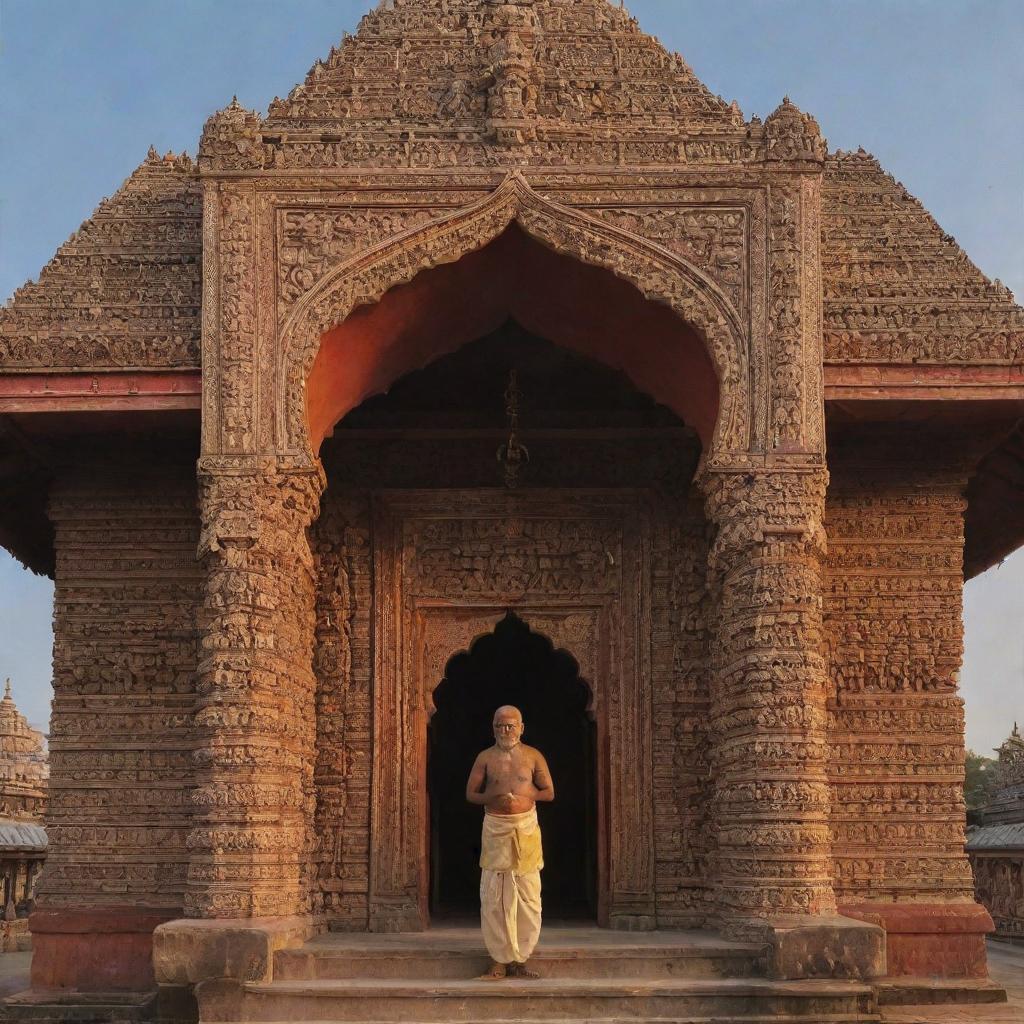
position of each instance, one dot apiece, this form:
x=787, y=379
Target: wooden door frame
x=417, y=631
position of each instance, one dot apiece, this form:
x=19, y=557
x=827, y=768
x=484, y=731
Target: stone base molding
x=95, y=950
x=824, y=947
x=192, y=957
x=255, y=721
x=934, y=940
x=188, y=952
x=771, y=851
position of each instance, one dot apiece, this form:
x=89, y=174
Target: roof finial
x=7, y=690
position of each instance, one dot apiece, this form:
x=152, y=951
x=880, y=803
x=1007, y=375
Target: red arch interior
x=573, y=304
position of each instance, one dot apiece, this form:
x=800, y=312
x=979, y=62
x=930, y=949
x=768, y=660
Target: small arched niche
x=578, y=306
x=514, y=665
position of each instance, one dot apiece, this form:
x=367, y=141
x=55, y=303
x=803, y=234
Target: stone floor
x=14, y=971
x=1006, y=964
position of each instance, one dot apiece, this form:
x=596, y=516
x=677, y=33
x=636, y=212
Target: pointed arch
x=515, y=665
x=557, y=642
x=659, y=275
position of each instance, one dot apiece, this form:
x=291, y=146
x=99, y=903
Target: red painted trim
x=100, y=392
x=874, y=381
x=182, y=389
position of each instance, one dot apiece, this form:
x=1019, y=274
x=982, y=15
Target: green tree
x=979, y=780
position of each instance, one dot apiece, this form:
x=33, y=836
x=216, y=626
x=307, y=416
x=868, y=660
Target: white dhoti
x=511, y=858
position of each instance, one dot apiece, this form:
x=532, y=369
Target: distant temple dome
x=24, y=776
x=24, y=765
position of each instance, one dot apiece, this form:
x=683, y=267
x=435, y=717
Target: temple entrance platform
x=587, y=974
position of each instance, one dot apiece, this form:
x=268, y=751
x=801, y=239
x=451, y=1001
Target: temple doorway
x=513, y=665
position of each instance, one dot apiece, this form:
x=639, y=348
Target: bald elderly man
x=509, y=780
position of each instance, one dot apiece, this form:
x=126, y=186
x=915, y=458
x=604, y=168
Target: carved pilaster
x=255, y=721
x=768, y=697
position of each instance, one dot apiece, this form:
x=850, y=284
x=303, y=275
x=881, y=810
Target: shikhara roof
x=125, y=290
x=569, y=89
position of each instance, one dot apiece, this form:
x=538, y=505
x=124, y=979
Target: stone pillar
x=768, y=698
x=255, y=720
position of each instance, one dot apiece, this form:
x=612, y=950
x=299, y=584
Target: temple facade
x=996, y=844
x=501, y=361
x=23, y=794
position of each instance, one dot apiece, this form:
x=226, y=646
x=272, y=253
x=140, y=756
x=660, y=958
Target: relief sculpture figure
x=508, y=780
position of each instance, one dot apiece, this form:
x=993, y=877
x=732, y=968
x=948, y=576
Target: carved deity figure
x=456, y=99
x=508, y=780
x=510, y=94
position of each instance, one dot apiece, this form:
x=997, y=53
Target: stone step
x=327, y=961
x=785, y=1018
x=906, y=991
x=40, y=1006
x=401, y=1001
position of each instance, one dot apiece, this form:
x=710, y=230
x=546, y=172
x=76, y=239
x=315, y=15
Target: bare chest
x=509, y=768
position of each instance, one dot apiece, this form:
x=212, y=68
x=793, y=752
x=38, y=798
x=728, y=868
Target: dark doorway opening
x=515, y=666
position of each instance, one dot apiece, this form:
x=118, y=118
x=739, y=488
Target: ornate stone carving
x=767, y=663
x=313, y=242
x=898, y=289
x=713, y=239
x=657, y=273
x=512, y=78
x=894, y=631
x=126, y=596
x=791, y=134
x=999, y=882
x=449, y=83
x=236, y=329
x=232, y=140
x=254, y=722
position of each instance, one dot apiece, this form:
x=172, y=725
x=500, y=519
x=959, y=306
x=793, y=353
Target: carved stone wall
x=125, y=656
x=999, y=883
x=343, y=662
x=345, y=655
x=894, y=631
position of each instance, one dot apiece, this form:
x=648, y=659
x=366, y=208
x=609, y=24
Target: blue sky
x=934, y=88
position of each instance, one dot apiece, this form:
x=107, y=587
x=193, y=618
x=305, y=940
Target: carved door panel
x=575, y=566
